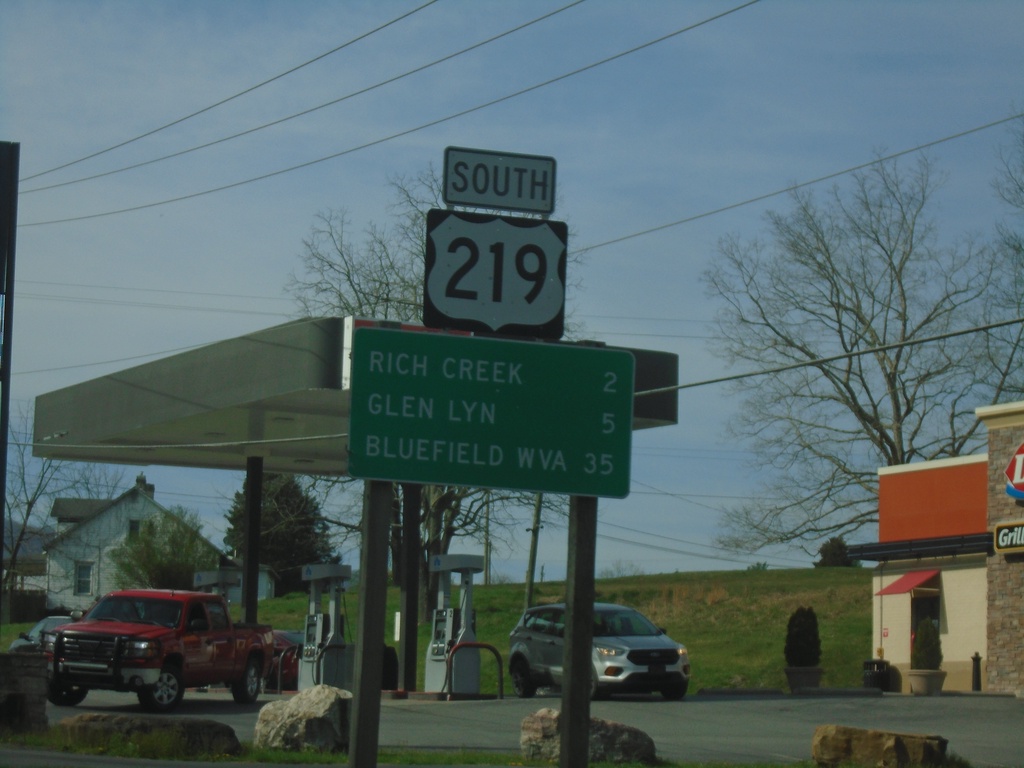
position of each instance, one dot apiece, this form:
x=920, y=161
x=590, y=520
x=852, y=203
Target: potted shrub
x=803, y=650
x=926, y=675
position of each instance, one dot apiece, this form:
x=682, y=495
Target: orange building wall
x=939, y=499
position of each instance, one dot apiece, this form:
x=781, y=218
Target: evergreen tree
x=293, y=532
x=835, y=554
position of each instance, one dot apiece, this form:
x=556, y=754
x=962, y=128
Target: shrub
x=926, y=652
x=803, y=645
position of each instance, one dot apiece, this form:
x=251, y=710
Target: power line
x=672, y=550
x=834, y=358
x=305, y=112
x=232, y=98
x=802, y=184
x=400, y=134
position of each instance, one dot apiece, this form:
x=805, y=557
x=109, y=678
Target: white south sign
x=496, y=274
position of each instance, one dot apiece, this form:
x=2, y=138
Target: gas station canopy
x=281, y=394
x=276, y=394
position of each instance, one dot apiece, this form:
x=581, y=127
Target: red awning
x=907, y=582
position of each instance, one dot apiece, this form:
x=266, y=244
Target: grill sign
x=1009, y=537
x=1015, y=474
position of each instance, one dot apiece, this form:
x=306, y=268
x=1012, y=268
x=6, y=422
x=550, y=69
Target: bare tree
x=32, y=485
x=862, y=277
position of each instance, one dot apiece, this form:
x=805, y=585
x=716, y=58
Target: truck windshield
x=137, y=610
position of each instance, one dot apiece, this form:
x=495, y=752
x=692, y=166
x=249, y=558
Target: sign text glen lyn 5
x=490, y=413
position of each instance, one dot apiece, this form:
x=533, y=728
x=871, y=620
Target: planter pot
x=803, y=677
x=926, y=682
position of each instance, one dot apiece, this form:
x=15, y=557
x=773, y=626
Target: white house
x=78, y=564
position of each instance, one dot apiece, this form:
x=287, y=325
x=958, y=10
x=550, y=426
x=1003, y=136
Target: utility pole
x=10, y=154
x=534, y=532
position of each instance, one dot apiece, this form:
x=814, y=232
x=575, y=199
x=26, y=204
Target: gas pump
x=452, y=626
x=326, y=659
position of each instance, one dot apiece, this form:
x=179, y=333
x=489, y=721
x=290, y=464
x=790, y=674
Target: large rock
x=316, y=719
x=838, y=744
x=197, y=736
x=609, y=742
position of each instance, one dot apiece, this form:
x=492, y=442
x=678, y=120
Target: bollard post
x=976, y=672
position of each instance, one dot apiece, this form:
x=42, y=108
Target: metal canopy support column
x=252, y=526
x=412, y=495
x=579, y=633
x=364, y=725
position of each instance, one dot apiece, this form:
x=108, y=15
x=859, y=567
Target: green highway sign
x=441, y=409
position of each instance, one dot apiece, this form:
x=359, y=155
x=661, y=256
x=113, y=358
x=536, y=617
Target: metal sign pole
x=579, y=633
x=364, y=726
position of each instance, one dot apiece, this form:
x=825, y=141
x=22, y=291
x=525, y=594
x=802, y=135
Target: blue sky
x=770, y=95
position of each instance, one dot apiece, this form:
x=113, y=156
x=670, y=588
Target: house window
x=134, y=526
x=83, y=578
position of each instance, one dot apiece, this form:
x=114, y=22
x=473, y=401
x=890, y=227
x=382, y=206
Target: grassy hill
x=732, y=622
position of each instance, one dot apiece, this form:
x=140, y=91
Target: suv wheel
x=522, y=683
x=676, y=691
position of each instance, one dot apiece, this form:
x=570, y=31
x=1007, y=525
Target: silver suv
x=630, y=653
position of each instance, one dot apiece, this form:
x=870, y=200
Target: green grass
x=732, y=622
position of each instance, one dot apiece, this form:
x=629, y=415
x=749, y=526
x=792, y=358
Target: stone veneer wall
x=1005, y=656
x=22, y=692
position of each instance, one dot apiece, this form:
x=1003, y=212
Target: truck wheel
x=166, y=694
x=65, y=697
x=246, y=690
x=522, y=683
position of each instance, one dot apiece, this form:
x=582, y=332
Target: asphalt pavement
x=987, y=730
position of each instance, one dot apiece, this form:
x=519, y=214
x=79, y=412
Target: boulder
x=314, y=719
x=196, y=735
x=610, y=742
x=839, y=744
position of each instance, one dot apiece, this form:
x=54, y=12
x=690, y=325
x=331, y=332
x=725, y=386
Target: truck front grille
x=89, y=647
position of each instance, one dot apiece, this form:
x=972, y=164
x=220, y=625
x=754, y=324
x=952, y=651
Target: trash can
x=876, y=674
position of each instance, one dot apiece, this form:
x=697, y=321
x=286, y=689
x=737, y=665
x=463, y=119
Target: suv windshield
x=622, y=623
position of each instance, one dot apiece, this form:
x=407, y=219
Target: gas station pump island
x=326, y=658
x=446, y=670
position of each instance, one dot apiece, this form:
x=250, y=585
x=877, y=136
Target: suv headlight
x=142, y=649
x=608, y=650
x=48, y=641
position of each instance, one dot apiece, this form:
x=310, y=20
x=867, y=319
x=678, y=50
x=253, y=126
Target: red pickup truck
x=157, y=643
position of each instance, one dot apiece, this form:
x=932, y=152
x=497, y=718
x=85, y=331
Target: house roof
x=77, y=510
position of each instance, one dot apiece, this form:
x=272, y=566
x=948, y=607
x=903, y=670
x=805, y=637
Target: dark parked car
x=630, y=654
x=32, y=641
x=284, y=669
